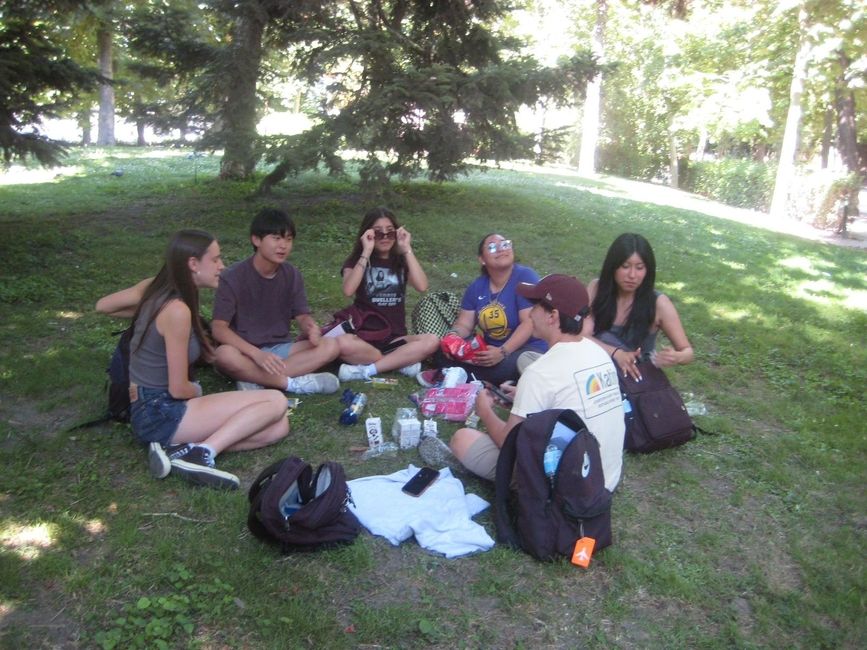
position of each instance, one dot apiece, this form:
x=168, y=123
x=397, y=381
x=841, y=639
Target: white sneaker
x=315, y=383
x=349, y=372
x=247, y=385
x=411, y=370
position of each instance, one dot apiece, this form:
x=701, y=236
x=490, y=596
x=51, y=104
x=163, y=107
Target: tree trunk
x=827, y=134
x=592, y=101
x=105, y=125
x=672, y=160
x=847, y=138
x=786, y=165
x=140, y=130
x=84, y=123
x=702, y=144
x=239, y=112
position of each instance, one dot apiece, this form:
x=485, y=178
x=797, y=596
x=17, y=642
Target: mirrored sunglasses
x=504, y=245
x=379, y=235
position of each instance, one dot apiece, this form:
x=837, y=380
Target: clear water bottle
x=356, y=403
x=693, y=406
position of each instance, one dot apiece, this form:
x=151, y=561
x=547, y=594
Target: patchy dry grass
x=754, y=537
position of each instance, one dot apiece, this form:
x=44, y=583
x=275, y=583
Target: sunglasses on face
x=504, y=245
x=379, y=235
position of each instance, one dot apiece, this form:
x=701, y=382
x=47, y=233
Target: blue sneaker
x=197, y=466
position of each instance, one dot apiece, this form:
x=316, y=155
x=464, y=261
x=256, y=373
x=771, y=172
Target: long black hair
x=366, y=224
x=482, y=268
x=642, y=314
x=175, y=280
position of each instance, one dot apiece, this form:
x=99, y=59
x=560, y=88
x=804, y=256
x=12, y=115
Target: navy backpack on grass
x=545, y=515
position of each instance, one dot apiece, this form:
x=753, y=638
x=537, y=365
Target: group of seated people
x=544, y=331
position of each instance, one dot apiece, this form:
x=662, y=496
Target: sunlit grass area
x=749, y=538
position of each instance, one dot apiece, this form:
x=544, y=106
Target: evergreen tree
x=419, y=86
x=38, y=78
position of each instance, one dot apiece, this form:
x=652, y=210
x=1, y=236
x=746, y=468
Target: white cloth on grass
x=440, y=518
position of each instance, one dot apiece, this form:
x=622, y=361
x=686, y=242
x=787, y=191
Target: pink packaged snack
x=452, y=404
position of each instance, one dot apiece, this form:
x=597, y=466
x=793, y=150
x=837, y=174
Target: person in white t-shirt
x=575, y=373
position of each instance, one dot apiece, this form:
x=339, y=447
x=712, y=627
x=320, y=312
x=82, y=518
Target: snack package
x=453, y=404
x=454, y=347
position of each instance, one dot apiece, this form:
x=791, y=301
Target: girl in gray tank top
x=184, y=430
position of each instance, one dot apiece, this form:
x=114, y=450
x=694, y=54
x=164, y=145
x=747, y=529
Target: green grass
x=754, y=537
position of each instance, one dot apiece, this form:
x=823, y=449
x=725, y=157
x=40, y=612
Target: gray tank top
x=614, y=336
x=148, y=365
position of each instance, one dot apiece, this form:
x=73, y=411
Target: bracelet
x=504, y=351
x=362, y=257
x=614, y=351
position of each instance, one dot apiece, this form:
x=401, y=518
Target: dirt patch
x=23, y=418
x=44, y=622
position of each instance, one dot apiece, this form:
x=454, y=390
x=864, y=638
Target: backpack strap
x=506, y=533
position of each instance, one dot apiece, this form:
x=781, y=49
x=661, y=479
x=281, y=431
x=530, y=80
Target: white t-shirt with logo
x=580, y=376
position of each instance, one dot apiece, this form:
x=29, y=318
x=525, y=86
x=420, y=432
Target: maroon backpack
x=657, y=417
x=544, y=507
x=299, y=509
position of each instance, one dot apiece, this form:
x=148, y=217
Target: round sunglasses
x=504, y=245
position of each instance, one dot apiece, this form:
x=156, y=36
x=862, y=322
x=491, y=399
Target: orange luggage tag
x=583, y=551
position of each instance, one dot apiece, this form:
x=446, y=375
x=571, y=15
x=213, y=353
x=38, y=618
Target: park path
x=663, y=195
x=622, y=188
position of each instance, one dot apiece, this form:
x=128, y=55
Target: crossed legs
x=303, y=358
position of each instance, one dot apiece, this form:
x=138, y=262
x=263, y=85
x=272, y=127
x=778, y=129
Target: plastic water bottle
x=694, y=406
x=550, y=460
x=356, y=403
x=627, y=410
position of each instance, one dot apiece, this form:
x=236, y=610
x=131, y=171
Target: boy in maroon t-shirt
x=256, y=301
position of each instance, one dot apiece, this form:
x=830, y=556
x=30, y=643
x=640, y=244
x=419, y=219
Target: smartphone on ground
x=422, y=480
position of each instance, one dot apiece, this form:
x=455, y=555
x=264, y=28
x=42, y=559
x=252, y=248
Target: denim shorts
x=280, y=349
x=155, y=415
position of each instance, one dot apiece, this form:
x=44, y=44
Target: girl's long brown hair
x=175, y=280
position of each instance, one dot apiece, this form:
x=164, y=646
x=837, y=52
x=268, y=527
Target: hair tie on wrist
x=615, y=351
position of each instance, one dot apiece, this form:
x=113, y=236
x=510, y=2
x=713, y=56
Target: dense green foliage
x=741, y=183
x=749, y=538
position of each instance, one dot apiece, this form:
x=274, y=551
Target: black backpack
x=118, y=379
x=117, y=383
x=315, y=506
x=658, y=418
x=542, y=516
